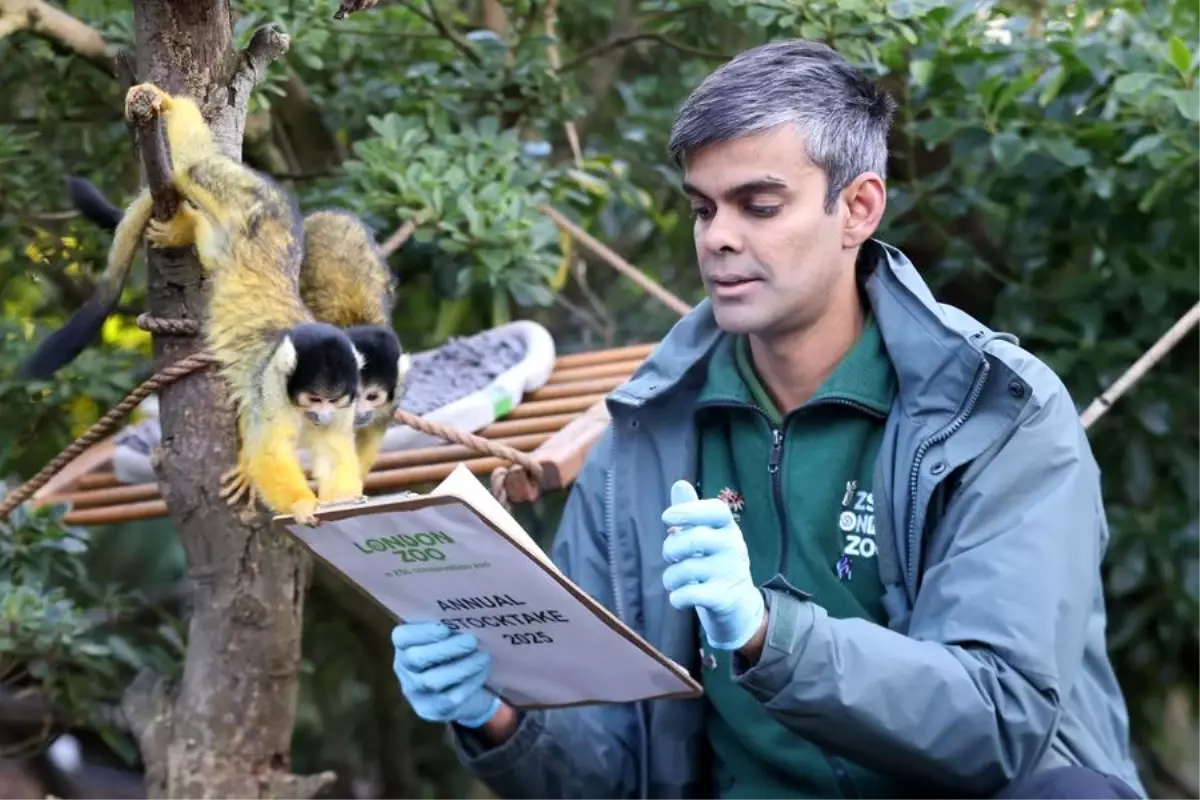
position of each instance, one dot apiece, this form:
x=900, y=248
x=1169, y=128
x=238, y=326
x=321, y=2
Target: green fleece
x=800, y=485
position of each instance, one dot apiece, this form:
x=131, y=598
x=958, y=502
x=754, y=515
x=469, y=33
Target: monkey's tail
x=65, y=344
x=92, y=204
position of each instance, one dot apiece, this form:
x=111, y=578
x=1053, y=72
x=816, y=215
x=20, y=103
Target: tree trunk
x=225, y=730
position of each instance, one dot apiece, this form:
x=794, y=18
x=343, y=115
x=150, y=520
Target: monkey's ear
x=284, y=358
x=359, y=358
x=403, y=365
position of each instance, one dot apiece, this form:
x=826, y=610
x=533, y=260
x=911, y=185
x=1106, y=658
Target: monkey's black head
x=325, y=373
x=384, y=369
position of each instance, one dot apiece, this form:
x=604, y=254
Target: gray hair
x=843, y=116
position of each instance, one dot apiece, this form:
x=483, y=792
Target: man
x=892, y=585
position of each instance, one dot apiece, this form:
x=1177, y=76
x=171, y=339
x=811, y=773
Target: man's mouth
x=730, y=282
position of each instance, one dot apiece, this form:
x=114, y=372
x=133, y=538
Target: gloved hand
x=442, y=674
x=710, y=568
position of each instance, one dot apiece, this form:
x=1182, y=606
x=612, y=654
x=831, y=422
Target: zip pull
x=776, y=450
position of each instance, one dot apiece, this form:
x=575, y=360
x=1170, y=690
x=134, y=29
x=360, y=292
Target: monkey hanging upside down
x=344, y=281
x=294, y=380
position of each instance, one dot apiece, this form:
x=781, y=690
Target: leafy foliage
x=60, y=631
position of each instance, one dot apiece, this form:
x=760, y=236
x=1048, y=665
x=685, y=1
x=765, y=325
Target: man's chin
x=738, y=318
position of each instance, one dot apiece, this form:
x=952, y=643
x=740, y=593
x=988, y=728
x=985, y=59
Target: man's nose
x=720, y=234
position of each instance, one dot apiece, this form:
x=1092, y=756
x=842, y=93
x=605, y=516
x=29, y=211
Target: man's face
x=769, y=254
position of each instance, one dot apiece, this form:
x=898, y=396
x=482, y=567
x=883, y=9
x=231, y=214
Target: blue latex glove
x=710, y=568
x=442, y=674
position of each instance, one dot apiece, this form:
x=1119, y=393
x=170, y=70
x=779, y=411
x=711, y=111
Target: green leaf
x=1178, y=55
x=1008, y=149
x=1188, y=103
x=1141, y=147
x=1134, y=83
x=1058, y=76
x=1064, y=150
x=921, y=70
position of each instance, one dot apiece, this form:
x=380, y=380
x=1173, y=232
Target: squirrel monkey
x=293, y=380
x=344, y=281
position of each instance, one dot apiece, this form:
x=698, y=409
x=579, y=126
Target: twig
x=1140, y=367
x=616, y=262
x=630, y=38
x=434, y=18
x=142, y=110
x=41, y=18
x=266, y=45
x=552, y=56
x=397, y=239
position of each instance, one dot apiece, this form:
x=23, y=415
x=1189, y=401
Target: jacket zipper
x=841, y=776
x=777, y=490
x=914, y=477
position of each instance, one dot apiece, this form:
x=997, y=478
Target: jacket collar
x=935, y=349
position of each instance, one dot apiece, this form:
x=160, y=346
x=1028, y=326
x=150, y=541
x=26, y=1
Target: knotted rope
x=189, y=364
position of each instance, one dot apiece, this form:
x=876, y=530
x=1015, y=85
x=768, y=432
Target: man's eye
x=763, y=211
x=702, y=212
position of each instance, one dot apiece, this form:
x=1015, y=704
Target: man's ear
x=866, y=200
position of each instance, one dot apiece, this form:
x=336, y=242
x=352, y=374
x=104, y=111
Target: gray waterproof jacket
x=990, y=531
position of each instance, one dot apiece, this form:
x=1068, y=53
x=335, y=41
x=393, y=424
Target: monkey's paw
x=234, y=484
x=144, y=100
x=303, y=511
x=175, y=232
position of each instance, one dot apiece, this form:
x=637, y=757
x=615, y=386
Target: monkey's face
x=320, y=408
x=324, y=371
x=371, y=397
x=383, y=376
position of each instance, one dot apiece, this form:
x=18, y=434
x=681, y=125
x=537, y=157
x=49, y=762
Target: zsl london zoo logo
x=857, y=521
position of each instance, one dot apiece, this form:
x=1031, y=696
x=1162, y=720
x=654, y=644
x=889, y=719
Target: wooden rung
x=97, y=480
x=517, y=427
x=574, y=389
x=107, y=515
x=539, y=408
x=639, y=351
x=107, y=496
x=623, y=369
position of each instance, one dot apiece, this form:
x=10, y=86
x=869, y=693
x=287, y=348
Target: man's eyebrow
x=764, y=184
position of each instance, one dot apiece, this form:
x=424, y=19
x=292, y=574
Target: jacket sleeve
x=588, y=751
x=970, y=697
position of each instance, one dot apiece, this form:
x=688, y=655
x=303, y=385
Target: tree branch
x=301, y=786
x=617, y=42
x=147, y=708
x=434, y=18
x=42, y=19
x=266, y=46
x=142, y=110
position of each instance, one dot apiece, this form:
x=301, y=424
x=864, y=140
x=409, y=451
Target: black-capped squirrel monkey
x=344, y=281
x=293, y=380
